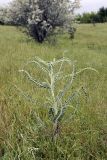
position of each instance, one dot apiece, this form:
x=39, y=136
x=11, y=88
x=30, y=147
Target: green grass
x=82, y=138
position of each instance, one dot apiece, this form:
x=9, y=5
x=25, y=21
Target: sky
x=86, y=5
x=92, y=5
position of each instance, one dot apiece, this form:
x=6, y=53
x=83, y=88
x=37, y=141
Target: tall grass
x=82, y=137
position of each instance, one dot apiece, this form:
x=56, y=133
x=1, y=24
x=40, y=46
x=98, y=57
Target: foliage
x=41, y=17
x=54, y=71
x=98, y=17
x=46, y=15
x=102, y=13
x=3, y=15
x=18, y=12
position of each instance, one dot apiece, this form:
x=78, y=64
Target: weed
x=54, y=71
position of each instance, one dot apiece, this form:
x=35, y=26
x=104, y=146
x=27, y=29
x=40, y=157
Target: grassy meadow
x=84, y=137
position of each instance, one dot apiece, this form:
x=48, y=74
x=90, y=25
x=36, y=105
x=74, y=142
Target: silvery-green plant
x=57, y=98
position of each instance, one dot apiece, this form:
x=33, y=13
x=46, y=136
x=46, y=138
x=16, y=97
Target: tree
x=41, y=17
x=3, y=17
x=102, y=14
x=46, y=15
x=18, y=12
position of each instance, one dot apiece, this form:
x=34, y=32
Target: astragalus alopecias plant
x=58, y=85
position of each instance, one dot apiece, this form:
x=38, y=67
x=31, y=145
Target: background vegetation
x=94, y=17
x=82, y=137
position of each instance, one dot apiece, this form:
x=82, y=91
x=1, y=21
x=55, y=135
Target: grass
x=84, y=137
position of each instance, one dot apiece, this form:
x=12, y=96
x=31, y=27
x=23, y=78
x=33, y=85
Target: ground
x=82, y=138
